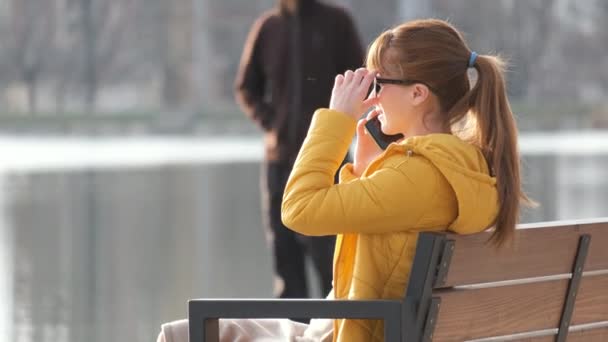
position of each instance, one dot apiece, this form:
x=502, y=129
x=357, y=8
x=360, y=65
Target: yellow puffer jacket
x=424, y=183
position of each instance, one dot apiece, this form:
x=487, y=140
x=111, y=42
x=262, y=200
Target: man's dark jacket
x=288, y=67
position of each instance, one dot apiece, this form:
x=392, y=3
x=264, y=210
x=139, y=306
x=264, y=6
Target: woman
x=456, y=169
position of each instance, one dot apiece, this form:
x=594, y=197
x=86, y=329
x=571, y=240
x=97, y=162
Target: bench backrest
x=550, y=283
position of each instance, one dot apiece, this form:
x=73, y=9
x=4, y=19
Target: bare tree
x=372, y=19
x=106, y=29
x=520, y=31
x=535, y=25
x=6, y=72
x=65, y=60
x=33, y=24
x=178, y=52
x=89, y=39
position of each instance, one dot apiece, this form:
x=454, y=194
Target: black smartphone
x=374, y=128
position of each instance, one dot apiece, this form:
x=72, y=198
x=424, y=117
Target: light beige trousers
x=256, y=330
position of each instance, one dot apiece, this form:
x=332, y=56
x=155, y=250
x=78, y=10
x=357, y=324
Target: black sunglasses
x=378, y=81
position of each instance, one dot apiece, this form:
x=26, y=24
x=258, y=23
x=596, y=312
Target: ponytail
x=495, y=133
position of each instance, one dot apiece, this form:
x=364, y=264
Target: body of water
x=103, y=240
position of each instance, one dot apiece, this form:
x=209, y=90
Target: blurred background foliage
x=154, y=66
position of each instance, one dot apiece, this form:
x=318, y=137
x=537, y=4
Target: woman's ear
x=420, y=93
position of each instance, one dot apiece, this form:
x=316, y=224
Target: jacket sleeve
x=250, y=83
x=351, y=52
x=389, y=200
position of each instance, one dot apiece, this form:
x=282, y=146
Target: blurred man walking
x=287, y=70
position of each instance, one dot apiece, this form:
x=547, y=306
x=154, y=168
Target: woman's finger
x=348, y=76
x=359, y=76
x=370, y=101
x=372, y=114
x=339, y=79
x=361, y=126
x=366, y=82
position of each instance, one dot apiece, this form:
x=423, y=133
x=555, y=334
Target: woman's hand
x=349, y=92
x=366, y=148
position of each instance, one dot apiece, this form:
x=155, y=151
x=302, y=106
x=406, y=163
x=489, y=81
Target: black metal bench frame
x=416, y=314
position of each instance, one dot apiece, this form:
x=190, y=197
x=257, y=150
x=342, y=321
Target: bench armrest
x=203, y=314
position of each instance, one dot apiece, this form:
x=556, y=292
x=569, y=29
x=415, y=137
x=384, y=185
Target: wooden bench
x=550, y=284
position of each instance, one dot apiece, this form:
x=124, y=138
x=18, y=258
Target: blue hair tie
x=472, y=59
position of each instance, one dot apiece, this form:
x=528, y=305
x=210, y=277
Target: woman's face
x=396, y=107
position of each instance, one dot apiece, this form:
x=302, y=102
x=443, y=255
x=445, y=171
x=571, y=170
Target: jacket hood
x=467, y=171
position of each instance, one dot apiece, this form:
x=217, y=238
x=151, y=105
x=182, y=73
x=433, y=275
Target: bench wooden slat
x=593, y=335
x=534, y=253
x=592, y=301
x=498, y=311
